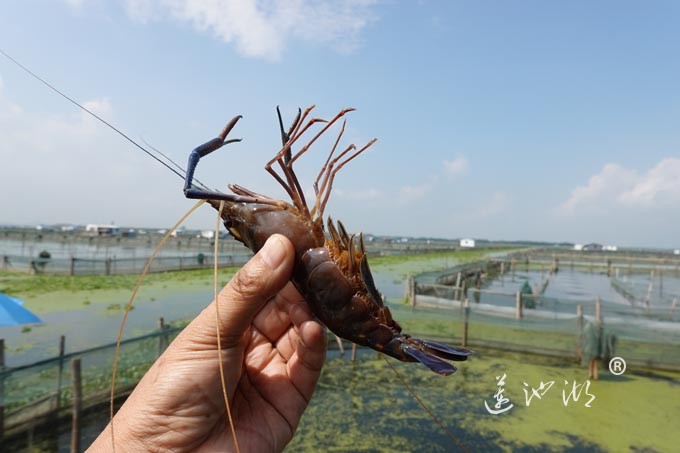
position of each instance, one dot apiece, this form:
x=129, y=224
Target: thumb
x=244, y=296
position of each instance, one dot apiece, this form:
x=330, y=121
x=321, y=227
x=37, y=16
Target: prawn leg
x=285, y=136
x=192, y=192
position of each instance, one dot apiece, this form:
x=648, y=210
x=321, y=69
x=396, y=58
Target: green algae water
x=362, y=406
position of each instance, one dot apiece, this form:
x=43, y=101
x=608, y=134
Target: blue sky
x=505, y=120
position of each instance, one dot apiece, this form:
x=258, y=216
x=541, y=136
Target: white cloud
x=659, y=185
x=262, y=29
x=69, y=168
x=602, y=187
x=618, y=187
x=457, y=166
x=411, y=193
x=370, y=193
x=75, y=3
x=101, y=107
x=500, y=202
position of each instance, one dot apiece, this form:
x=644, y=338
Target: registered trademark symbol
x=617, y=366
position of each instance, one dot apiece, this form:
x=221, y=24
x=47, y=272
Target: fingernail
x=273, y=252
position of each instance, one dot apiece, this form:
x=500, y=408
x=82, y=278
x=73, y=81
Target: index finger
x=273, y=320
x=304, y=366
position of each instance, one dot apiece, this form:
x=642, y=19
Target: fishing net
x=517, y=317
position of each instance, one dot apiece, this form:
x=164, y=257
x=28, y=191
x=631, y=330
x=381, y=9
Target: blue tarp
x=13, y=314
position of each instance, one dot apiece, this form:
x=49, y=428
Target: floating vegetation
x=117, y=307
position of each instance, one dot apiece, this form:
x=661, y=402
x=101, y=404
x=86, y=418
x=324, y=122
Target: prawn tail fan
x=435, y=356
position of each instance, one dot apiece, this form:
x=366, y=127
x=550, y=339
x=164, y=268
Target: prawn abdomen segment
x=340, y=302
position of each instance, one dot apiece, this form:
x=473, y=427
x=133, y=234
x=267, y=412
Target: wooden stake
x=466, y=316
x=407, y=289
x=161, y=337
x=579, y=327
x=650, y=289
x=2, y=391
x=77, y=405
x=456, y=295
x=62, y=348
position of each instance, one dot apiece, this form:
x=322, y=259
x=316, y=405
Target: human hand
x=272, y=350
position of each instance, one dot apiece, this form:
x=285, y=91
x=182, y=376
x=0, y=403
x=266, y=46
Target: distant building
x=467, y=243
x=165, y=230
x=129, y=233
x=578, y=247
x=610, y=248
x=676, y=252
x=102, y=230
x=208, y=234
x=593, y=247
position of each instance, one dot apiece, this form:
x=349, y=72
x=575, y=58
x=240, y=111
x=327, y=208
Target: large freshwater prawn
x=331, y=267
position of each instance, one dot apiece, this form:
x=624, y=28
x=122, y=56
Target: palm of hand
x=281, y=352
x=284, y=352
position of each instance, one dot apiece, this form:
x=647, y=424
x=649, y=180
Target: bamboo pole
x=518, y=305
x=354, y=352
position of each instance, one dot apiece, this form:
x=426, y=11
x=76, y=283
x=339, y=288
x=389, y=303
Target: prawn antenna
x=133, y=296
x=436, y=419
x=92, y=114
x=218, y=320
